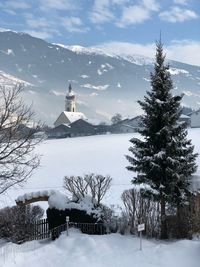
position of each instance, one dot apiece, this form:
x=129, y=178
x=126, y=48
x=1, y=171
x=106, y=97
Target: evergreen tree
x=163, y=159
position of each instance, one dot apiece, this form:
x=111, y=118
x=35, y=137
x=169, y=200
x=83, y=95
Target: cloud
x=177, y=14
x=151, y=5
x=127, y=48
x=35, y=22
x=184, y=51
x=73, y=24
x=40, y=34
x=57, y=4
x=136, y=14
x=101, y=12
x=13, y=4
x=133, y=15
x=181, y=2
x=121, y=12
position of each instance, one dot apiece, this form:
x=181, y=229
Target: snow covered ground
x=98, y=251
x=104, y=154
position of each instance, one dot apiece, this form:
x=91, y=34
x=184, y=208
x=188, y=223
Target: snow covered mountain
x=104, y=83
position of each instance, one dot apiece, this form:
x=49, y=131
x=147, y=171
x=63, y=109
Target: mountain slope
x=104, y=83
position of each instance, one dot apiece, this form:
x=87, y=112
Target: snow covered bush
x=16, y=223
x=83, y=212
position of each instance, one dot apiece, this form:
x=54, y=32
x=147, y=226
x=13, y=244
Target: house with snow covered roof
x=185, y=118
x=127, y=125
x=69, y=115
x=195, y=119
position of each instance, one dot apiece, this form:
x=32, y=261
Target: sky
x=121, y=26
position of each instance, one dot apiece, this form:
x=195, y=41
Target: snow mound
x=112, y=250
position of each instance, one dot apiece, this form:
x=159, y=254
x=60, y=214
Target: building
x=81, y=128
x=127, y=125
x=195, y=119
x=60, y=131
x=185, y=118
x=69, y=115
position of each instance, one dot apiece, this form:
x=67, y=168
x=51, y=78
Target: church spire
x=70, y=101
x=70, y=88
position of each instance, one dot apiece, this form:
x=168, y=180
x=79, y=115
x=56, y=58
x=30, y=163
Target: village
x=71, y=123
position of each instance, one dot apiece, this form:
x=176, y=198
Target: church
x=70, y=114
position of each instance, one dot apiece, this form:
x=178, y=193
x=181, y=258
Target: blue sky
x=120, y=25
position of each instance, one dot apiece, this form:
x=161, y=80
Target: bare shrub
x=16, y=223
x=140, y=210
x=95, y=185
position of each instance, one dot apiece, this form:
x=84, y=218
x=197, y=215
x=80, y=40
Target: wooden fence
x=40, y=229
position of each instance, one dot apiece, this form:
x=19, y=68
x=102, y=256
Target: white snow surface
x=99, y=154
x=78, y=49
x=112, y=250
x=102, y=154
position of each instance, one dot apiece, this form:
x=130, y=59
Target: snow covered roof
x=194, y=112
x=183, y=116
x=74, y=116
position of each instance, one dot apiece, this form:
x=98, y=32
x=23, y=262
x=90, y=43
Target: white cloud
x=181, y=2
x=105, y=11
x=57, y=4
x=151, y=5
x=40, y=34
x=177, y=14
x=184, y=51
x=73, y=24
x=135, y=14
x=13, y=4
x=34, y=22
x=101, y=12
x=128, y=48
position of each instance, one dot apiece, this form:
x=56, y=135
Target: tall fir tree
x=163, y=159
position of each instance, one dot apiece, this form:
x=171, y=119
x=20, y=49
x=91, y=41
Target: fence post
x=67, y=222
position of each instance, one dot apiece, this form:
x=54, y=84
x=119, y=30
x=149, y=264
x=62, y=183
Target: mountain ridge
x=104, y=83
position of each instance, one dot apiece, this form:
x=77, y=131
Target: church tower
x=70, y=101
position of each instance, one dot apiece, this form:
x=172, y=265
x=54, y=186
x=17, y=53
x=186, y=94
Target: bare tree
x=95, y=185
x=17, y=142
x=116, y=118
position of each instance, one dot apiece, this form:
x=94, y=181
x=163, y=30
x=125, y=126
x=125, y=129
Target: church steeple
x=70, y=101
x=70, y=88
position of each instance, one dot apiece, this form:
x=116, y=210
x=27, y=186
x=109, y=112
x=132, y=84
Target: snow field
x=98, y=251
x=103, y=154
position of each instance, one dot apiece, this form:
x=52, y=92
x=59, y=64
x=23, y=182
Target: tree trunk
x=163, y=234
